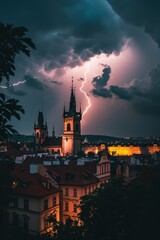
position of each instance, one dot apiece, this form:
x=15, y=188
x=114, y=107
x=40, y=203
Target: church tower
x=40, y=129
x=71, y=139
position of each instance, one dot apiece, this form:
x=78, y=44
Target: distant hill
x=100, y=139
x=21, y=138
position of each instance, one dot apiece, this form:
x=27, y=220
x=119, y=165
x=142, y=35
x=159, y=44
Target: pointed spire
x=40, y=119
x=53, y=132
x=72, y=105
x=80, y=110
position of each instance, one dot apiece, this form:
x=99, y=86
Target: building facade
x=71, y=139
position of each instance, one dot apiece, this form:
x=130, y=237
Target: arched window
x=68, y=127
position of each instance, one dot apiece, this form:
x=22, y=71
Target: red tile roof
x=31, y=185
x=73, y=175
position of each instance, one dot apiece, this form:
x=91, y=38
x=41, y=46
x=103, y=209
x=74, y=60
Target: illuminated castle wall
x=123, y=150
x=71, y=139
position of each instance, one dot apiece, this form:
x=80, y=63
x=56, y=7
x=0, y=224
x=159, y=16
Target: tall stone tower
x=40, y=129
x=71, y=140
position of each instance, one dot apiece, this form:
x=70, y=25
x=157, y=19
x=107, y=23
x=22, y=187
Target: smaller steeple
x=53, y=132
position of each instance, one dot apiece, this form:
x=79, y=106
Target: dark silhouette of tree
x=13, y=41
x=8, y=109
x=63, y=231
x=117, y=211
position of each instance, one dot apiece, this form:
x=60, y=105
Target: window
x=68, y=127
x=66, y=192
x=75, y=192
x=15, y=219
x=66, y=207
x=85, y=191
x=75, y=208
x=26, y=204
x=45, y=204
x=54, y=201
x=15, y=203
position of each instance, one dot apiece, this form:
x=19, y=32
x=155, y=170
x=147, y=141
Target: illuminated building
x=41, y=191
x=35, y=198
x=71, y=139
x=121, y=150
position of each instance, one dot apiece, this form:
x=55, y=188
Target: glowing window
x=66, y=206
x=54, y=201
x=75, y=192
x=75, y=208
x=66, y=192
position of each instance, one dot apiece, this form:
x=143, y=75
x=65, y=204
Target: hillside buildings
x=50, y=177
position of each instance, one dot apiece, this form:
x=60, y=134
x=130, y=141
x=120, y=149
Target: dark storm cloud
x=101, y=81
x=124, y=93
x=142, y=93
x=66, y=33
x=100, y=84
x=144, y=13
x=33, y=82
x=101, y=92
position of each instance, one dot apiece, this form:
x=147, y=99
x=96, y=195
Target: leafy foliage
x=13, y=41
x=60, y=231
x=121, y=212
x=8, y=109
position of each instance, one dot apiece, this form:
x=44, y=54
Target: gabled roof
x=31, y=185
x=73, y=175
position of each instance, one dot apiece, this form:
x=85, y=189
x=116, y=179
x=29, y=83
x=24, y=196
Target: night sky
x=111, y=47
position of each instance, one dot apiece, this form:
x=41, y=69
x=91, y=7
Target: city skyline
x=113, y=52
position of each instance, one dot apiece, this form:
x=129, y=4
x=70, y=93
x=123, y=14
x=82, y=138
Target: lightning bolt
x=85, y=94
x=14, y=84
